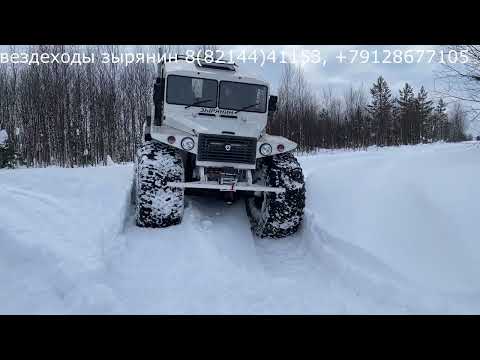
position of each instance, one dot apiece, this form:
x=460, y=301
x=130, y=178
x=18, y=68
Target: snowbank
x=415, y=208
x=56, y=225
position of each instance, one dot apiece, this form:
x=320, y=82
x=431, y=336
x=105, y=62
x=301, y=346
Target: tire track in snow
x=310, y=272
x=335, y=277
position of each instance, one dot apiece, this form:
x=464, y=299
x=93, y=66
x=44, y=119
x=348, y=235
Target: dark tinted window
x=185, y=90
x=237, y=96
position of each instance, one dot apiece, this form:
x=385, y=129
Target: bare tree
x=460, y=80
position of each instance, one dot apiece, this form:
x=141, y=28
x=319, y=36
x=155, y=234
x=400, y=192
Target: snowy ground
x=391, y=230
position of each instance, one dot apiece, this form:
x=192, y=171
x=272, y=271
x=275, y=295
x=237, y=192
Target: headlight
x=266, y=149
x=188, y=143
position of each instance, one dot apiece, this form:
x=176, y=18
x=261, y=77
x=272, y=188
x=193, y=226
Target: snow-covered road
x=391, y=230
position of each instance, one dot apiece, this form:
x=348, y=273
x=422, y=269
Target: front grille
x=243, y=150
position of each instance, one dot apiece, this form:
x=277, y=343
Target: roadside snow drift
x=391, y=230
x=57, y=226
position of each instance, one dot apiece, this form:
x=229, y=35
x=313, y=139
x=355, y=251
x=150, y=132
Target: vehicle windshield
x=184, y=90
x=243, y=97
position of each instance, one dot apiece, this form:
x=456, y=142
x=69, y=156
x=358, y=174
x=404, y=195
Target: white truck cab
x=216, y=112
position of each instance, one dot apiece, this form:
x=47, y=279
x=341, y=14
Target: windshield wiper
x=247, y=107
x=198, y=102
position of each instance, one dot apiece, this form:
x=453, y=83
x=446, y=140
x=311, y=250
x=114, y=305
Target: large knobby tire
x=278, y=215
x=156, y=204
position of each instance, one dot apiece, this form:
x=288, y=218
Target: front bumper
x=239, y=186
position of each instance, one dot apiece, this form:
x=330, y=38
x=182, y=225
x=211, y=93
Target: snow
x=388, y=230
x=110, y=162
x=3, y=137
x=56, y=227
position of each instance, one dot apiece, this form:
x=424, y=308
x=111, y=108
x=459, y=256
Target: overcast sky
x=341, y=75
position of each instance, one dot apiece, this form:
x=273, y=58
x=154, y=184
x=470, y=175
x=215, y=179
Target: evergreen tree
x=396, y=129
x=381, y=111
x=407, y=114
x=440, y=121
x=424, y=116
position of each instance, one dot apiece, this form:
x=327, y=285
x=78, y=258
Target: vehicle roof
x=182, y=67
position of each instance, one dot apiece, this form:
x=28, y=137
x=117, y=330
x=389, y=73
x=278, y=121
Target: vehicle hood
x=245, y=124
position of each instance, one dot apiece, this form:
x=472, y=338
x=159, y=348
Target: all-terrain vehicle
x=206, y=130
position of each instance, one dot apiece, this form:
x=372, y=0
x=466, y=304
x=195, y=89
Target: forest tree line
x=359, y=119
x=73, y=115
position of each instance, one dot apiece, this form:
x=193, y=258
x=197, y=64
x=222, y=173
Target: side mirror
x=146, y=128
x=157, y=90
x=272, y=103
x=158, y=95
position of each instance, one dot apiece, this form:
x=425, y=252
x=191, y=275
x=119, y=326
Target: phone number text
x=315, y=56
